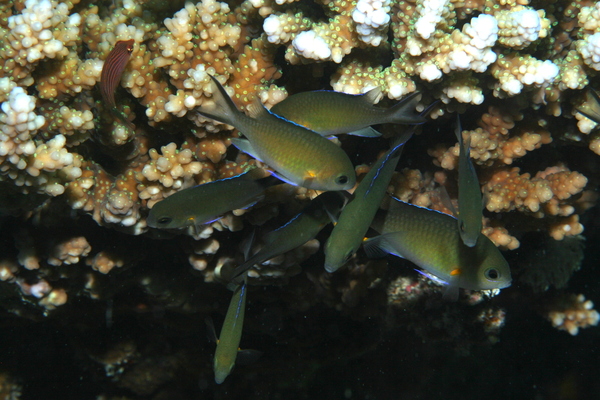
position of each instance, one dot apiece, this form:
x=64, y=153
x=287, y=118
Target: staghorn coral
x=526, y=64
x=502, y=139
x=571, y=312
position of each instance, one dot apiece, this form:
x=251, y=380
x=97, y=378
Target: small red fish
x=113, y=69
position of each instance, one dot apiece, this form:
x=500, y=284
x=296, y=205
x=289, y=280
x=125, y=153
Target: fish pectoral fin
x=446, y=201
x=333, y=214
x=211, y=333
x=451, y=292
x=245, y=146
x=309, y=179
x=366, y=132
x=380, y=246
x=248, y=243
x=248, y=356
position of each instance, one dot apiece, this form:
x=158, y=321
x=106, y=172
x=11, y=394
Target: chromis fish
x=110, y=76
x=231, y=335
x=591, y=107
x=299, y=230
x=298, y=155
x=431, y=240
x=354, y=221
x=331, y=113
x=203, y=204
x=470, y=204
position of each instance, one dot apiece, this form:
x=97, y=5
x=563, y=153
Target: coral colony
x=516, y=71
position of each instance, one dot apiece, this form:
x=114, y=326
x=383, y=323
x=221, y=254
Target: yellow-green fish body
x=332, y=113
x=297, y=154
x=470, y=205
x=299, y=230
x=205, y=203
x=347, y=235
x=431, y=240
x=231, y=335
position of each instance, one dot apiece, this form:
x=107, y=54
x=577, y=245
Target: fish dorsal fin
x=256, y=109
x=372, y=95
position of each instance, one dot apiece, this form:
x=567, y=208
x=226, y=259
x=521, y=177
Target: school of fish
x=291, y=139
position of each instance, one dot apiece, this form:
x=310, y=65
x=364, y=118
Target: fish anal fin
x=247, y=356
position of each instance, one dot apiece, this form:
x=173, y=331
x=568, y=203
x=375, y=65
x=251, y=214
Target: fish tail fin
x=224, y=110
x=404, y=111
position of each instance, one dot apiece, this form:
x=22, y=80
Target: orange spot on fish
x=455, y=272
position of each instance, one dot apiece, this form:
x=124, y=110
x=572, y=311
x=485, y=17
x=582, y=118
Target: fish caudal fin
x=404, y=111
x=224, y=110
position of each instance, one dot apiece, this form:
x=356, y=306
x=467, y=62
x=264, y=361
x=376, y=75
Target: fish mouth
x=505, y=284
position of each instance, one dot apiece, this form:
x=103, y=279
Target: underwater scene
x=299, y=199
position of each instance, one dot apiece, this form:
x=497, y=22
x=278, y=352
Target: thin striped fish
x=113, y=68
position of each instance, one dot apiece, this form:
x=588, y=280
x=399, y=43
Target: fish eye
x=492, y=274
x=164, y=220
x=341, y=180
x=462, y=226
